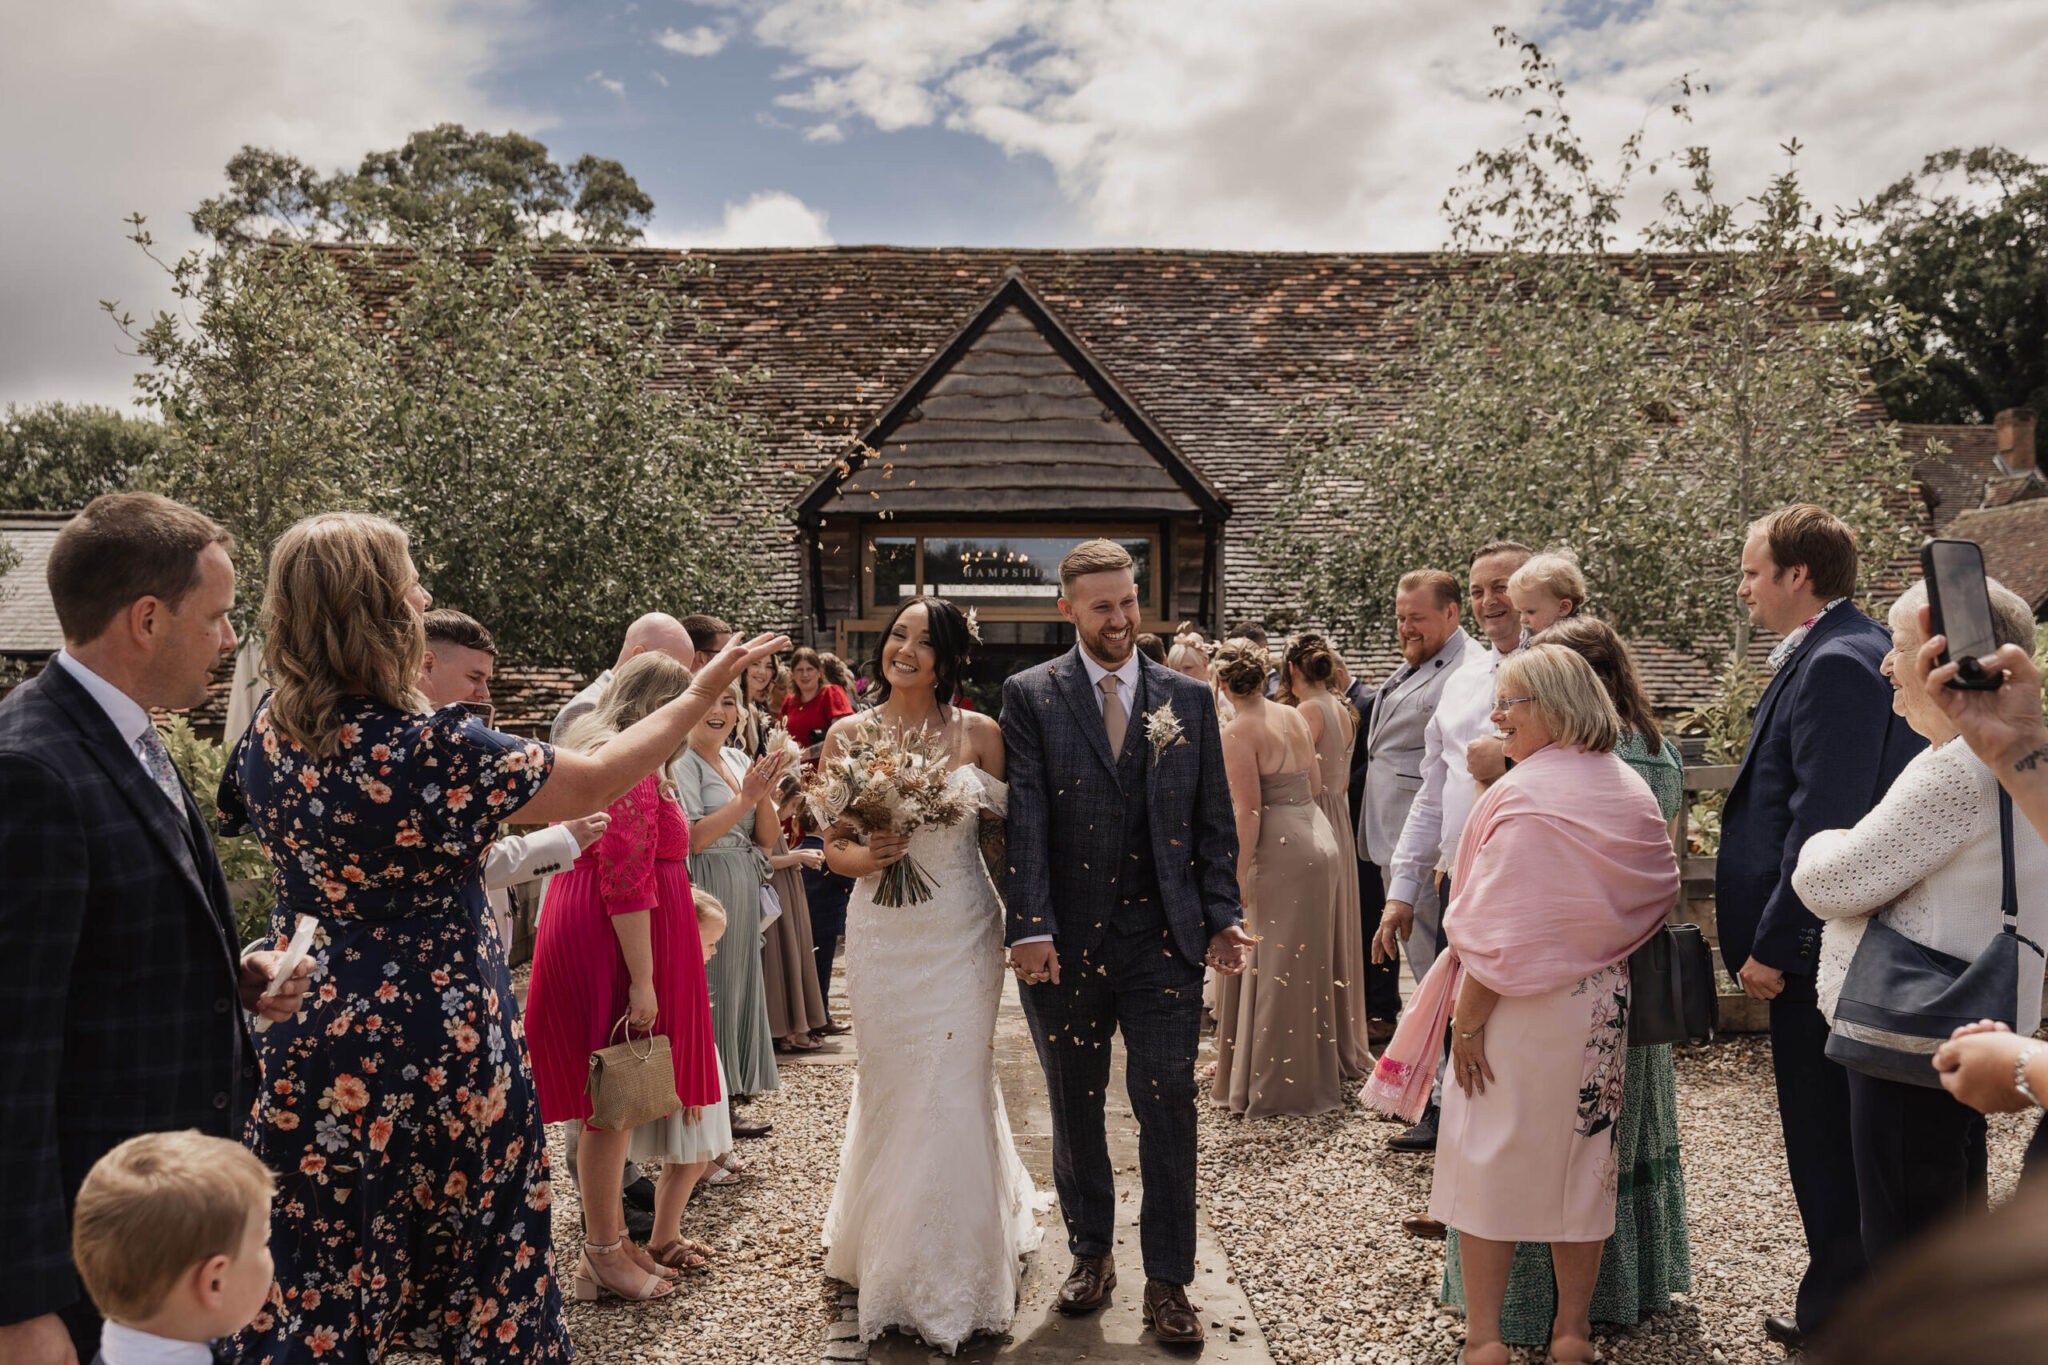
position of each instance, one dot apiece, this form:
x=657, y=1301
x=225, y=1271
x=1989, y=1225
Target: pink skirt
x=579, y=987
x=1532, y=1158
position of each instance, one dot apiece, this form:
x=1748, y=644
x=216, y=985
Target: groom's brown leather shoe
x=1088, y=1284
x=1170, y=1316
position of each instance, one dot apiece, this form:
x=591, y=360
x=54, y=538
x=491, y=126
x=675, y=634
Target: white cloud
x=599, y=78
x=824, y=132
x=770, y=218
x=658, y=79
x=701, y=41
x=1339, y=124
x=116, y=106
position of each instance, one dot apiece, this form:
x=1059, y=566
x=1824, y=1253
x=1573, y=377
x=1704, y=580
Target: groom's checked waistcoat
x=1090, y=829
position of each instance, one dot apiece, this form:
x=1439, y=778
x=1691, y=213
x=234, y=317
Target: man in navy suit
x=1824, y=748
x=122, y=989
x=1123, y=882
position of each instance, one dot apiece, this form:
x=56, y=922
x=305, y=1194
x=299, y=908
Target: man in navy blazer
x=1824, y=748
x=1123, y=883
x=122, y=989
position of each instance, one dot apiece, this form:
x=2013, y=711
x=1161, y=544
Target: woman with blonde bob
x=1565, y=868
x=398, y=1108
x=618, y=940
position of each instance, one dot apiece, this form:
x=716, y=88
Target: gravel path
x=766, y=1298
x=1309, y=1211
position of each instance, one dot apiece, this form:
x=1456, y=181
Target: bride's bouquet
x=881, y=784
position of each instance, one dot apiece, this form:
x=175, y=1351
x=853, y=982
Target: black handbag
x=1671, y=996
x=1902, y=1000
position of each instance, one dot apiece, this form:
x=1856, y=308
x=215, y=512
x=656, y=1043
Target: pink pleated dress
x=579, y=987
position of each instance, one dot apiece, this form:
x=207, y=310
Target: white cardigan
x=1927, y=859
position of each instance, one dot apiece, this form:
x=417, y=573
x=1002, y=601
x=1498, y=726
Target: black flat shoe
x=1420, y=1138
x=1785, y=1332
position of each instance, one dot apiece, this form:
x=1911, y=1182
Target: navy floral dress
x=397, y=1109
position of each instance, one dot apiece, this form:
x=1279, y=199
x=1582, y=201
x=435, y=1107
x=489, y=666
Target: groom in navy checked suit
x=1824, y=748
x=1123, y=881
x=122, y=990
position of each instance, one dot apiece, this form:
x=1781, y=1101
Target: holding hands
x=1035, y=962
x=1230, y=950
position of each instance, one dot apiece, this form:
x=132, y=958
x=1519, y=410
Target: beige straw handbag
x=632, y=1083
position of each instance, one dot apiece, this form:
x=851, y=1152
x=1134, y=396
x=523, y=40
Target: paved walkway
x=1115, y=1333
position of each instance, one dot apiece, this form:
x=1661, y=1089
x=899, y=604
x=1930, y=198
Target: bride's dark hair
x=952, y=646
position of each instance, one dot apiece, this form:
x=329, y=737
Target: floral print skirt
x=1531, y=1159
x=398, y=1111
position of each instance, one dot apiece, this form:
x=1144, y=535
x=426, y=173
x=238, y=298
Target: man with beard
x=1459, y=747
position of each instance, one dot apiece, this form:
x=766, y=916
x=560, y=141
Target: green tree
x=270, y=387
x=555, y=485
x=57, y=457
x=1961, y=249
x=481, y=188
x=517, y=413
x=1641, y=407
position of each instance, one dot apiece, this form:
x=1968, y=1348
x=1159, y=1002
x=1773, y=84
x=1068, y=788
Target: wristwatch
x=2019, y=1071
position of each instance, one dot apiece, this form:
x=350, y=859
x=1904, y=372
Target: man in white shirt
x=1459, y=751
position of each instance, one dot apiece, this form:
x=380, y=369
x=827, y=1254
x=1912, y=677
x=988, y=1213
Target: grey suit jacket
x=1393, y=763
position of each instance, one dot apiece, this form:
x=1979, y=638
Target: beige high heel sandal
x=588, y=1284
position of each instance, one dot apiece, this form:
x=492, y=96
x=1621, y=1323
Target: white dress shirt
x=1127, y=689
x=1429, y=837
x=125, y=1346
x=131, y=722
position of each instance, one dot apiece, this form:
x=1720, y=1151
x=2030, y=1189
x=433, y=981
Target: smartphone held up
x=1959, y=605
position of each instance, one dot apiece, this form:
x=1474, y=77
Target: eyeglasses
x=1505, y=702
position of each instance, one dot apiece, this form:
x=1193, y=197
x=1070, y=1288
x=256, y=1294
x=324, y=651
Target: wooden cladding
x=1010, y=423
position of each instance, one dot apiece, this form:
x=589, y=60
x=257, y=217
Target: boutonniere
x=1162, y=728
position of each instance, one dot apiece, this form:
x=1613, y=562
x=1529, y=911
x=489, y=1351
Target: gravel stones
x=766, y=1298
x=1310, y=1209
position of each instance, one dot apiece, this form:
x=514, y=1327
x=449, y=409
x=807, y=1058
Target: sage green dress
x=1649, y=1257
x=732, y=869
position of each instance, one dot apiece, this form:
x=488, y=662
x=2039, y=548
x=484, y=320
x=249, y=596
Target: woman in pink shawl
x=1565, y=868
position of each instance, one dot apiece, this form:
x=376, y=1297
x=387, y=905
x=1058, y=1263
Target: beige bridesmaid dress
x=1276, y=1023
x=1340, y=723
x=789, y=968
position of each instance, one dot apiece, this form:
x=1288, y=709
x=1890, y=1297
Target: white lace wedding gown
x=933, y=1207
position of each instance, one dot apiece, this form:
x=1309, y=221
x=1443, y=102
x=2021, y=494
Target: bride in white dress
x=932, y=1209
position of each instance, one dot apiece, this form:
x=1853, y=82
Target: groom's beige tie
x=1113, y=713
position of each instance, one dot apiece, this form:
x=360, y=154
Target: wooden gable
x=1013, y=419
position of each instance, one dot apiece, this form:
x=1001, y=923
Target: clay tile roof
x=1966, y=477
x=28, y=621
x=2015, y=541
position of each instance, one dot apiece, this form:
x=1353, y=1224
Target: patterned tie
x=1113, y=712
x=157, y=759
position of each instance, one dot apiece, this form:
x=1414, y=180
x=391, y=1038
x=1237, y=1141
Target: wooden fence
x=1738, y=1013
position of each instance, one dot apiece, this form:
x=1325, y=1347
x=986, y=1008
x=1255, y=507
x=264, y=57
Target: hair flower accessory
x=1162, y=729
x=973, y=625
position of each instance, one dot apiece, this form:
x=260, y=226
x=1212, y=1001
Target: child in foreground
x=171, y=1237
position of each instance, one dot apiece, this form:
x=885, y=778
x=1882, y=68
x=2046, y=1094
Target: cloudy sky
x=1259, y=124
